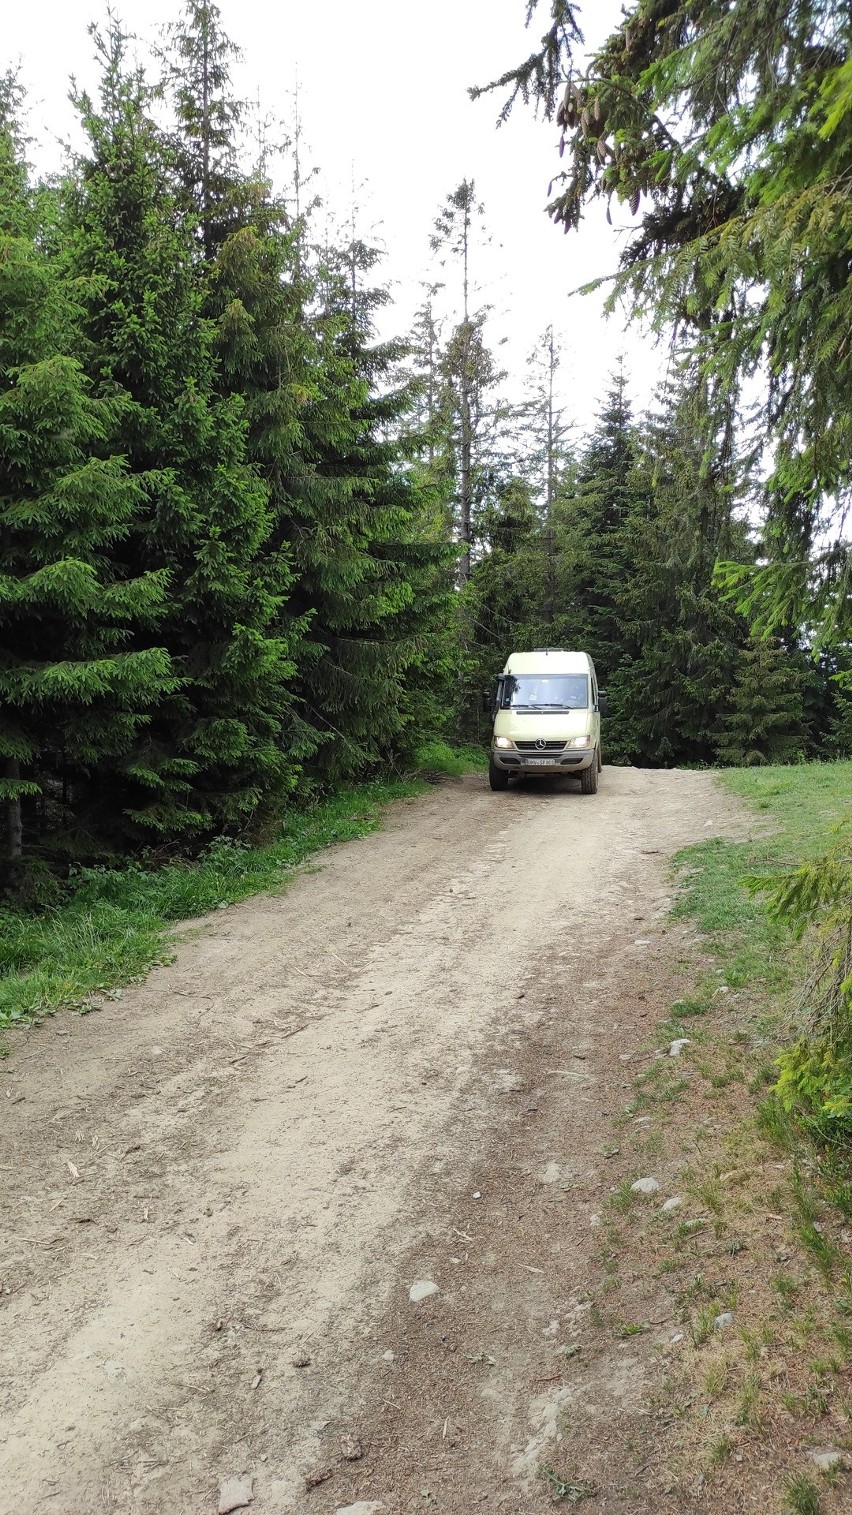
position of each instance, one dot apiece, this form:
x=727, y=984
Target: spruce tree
x=595, y=547
x=509, y=583
x=81, y=664
x=681, y=642
x=369, y=566
x=469, y=375
x=207, y=116
x=424, y=357
x=838, y=737
x=351, y=540
x=543, y=419
x=213, y=752
x=765, y=719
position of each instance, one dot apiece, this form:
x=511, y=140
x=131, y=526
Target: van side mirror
x=603, y=701
x=486, y=701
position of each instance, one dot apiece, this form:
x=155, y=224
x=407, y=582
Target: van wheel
x=589, y=778
x=498, y=778
x=600, y=760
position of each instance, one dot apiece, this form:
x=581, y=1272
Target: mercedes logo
x=541, y=744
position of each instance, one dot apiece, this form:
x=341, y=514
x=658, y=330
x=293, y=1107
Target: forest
x=524, y=1128
x=252, y=549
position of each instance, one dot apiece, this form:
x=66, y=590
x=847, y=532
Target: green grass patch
x=115, y=924
x=801, y=1496
x=438, y=758
x=758, y=959
x=801, y=807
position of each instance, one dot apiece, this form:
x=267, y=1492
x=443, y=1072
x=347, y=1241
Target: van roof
x=550, y=660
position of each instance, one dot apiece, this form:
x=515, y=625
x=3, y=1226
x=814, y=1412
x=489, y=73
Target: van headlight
x=580, y=741
x=503, y=741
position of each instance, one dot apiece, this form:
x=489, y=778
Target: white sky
x=383, y=98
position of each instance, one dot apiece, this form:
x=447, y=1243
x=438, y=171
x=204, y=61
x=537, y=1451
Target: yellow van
x=547, y=718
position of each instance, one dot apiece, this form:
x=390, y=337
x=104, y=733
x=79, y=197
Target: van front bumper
x=543, y=763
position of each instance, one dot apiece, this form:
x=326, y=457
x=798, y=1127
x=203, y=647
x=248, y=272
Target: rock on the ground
x=235, y=1493
x=677, y=1046
x=423, y=1289
x=672, y=1204
x=828, y=1458
x=363, y=1507
x=724, y=1320
x=645, y=1186
x=388, y=1356
x=550, y=1174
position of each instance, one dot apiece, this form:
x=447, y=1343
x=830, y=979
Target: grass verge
x=802, y=806
x=116, y=924
x=775, y=1232
x=746, y=1282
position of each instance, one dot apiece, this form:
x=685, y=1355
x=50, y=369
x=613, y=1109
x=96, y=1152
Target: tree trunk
x=466, y=430
x=550, y=544
x=205, y=152
x=465, y=479
x=14, y=831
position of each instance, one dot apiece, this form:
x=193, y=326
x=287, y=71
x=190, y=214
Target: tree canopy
x=723, y=128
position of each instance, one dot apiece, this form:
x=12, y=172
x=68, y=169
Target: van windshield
x=532, y=691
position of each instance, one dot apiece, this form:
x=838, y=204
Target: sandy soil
x=218, y=1191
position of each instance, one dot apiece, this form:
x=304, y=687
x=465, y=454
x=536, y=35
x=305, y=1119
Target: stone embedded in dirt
x=677, y=1046
x=235, y=1493
x=318, y=1476
x=302, y=1360
x=672, y=1204
x=388, y=1356
x=550, y=1174
x=724, y=1320
x=642, y=941
x=645, y=1186
x=828, y=1458
x=350, y=1448
x=423, y=1289
x=363, y=1507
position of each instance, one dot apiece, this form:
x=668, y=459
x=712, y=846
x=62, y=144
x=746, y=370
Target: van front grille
x=540, y=746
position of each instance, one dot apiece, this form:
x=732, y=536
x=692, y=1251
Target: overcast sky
x=384, y=104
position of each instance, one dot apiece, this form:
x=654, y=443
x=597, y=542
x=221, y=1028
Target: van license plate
x=542, y=762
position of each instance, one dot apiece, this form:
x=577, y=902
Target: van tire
x=600, y=760
x=498, y=778
x=589, y=777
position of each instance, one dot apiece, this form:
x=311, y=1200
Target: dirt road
x=218, y=1191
